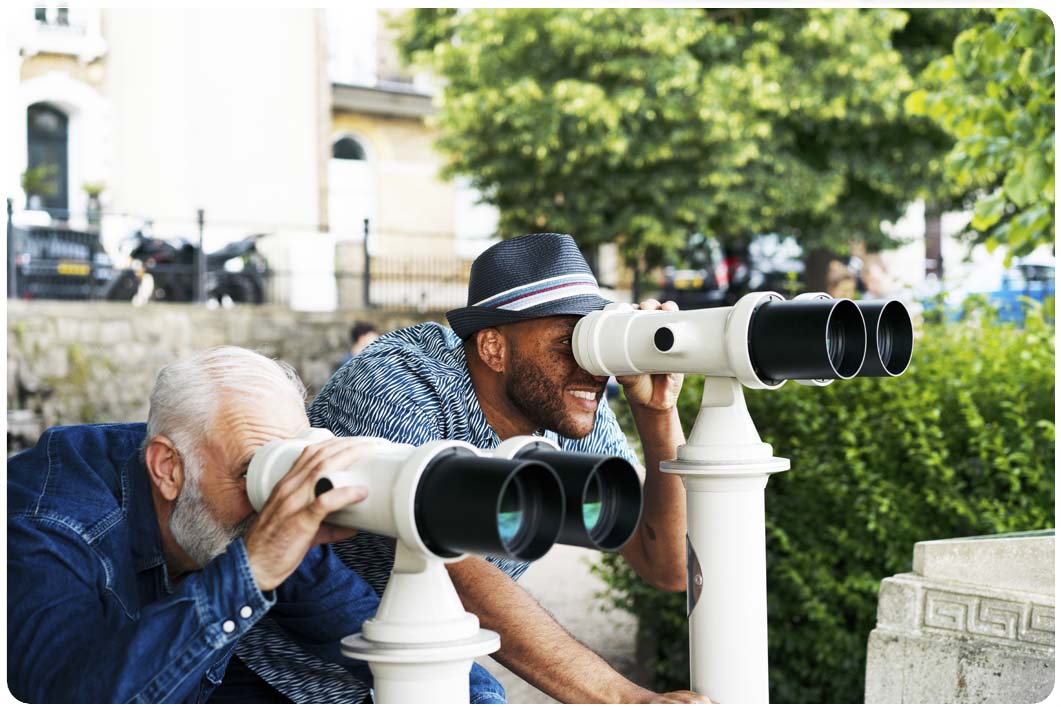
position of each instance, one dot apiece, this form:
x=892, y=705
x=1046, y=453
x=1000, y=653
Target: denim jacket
x=92, y=615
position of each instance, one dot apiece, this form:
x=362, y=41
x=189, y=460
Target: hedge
x=962, y=444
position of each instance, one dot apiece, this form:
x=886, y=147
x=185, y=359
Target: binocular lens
x=604, y=497
x=500, y=507
x=807, y=339
x=591, y=503
x=891, y=336
x=510, y=512
x=836, y=343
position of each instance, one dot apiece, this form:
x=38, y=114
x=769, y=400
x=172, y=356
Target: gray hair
x=188, y=393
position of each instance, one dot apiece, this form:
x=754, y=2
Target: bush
x=963, y=444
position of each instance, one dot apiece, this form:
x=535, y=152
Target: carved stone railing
x=973, y=623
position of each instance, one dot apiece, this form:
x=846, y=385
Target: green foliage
x=961, y=445
x=995, y=94
x=94, y=189
x=643, y=126
x=40, y=180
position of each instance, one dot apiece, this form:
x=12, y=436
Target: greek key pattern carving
x=989, y=617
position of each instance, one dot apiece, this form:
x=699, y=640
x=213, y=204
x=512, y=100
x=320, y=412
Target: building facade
x=296, y=123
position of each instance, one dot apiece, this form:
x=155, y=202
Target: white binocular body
x=762, y=340
x=446, y=498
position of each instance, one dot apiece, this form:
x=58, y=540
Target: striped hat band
x=542, y=292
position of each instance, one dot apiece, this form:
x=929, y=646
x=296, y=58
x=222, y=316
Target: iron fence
x=59, y=262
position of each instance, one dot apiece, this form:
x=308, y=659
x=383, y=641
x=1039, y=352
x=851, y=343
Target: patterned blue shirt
x=410, y=386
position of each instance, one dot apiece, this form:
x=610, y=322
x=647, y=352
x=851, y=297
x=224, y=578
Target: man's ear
x=165, y=467
x=492, y=348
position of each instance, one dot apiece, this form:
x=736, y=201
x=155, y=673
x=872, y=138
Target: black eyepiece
x=891, y=338
x=663, y=339
x=500, y=507
x=807, y=339
x=603, y=497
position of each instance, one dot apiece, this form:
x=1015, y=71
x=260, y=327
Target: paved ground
x=562, y=583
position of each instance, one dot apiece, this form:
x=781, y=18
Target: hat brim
x=468, y=320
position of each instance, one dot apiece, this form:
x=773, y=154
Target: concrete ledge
x=974, y=623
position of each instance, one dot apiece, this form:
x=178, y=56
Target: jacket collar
x=144, y=535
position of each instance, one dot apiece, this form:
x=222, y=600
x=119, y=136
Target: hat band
x=542, y=292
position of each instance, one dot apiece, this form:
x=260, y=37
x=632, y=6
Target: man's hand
x=290, y=522
x=678, y=697
x=657, y=391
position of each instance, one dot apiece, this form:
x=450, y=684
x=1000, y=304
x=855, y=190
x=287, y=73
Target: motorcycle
x=165, y=271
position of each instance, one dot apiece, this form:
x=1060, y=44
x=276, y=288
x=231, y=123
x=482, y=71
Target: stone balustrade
x=973, y=623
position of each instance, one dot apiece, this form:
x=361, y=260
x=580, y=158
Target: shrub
x=962, y=444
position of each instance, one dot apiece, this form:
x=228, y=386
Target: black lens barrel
x=603, y=496
x=807, y=339
x=891, y=338
x=498, y=507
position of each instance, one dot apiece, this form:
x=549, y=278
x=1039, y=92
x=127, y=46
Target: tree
x=641, y=127
x=995, y=95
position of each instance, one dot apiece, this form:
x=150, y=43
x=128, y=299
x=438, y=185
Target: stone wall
x=75, y=362
x=973, y=623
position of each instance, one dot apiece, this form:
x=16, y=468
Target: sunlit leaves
x=654, y=123
x=995, y=94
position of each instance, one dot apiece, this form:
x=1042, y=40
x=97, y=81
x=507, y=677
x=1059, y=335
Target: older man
x=136, y=562
x=507, y=369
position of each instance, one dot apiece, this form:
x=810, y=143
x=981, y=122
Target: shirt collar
x=144, y=535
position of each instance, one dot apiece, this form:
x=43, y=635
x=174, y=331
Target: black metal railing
x=58, y=262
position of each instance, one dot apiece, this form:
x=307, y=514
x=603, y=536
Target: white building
x=298, y=123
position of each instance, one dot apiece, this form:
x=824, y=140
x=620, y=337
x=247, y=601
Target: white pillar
x=725, y=467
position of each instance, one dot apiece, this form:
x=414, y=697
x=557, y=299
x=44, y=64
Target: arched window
x=48, y=168
x=348, y=148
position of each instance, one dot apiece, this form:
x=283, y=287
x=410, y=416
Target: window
x=47, y=152
x=57, y=16
x=348, y=148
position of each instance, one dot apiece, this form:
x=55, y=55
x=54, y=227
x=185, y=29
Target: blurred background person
x=361, y=335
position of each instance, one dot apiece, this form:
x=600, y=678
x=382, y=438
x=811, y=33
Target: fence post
x=366, y=276
x=200, y=261
x=12, y=270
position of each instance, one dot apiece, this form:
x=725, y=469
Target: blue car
x=1003, y=291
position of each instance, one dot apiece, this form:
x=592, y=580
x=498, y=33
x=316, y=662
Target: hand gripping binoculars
x=446, y=498
x=762, y=340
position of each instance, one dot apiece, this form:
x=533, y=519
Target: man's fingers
x=333, y=500
x=669, y=306
x=649, y=304
x=328, y=533
x=688, y=698
x=332, y=454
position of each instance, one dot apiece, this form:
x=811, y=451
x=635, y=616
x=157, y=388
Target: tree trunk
x=635, y=267
x=816, y=269
x=934, y=241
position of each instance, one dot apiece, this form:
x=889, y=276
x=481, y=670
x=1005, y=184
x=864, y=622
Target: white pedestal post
x=421, y=643
x=725, y=467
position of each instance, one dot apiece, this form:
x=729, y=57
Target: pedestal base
x=434, y=673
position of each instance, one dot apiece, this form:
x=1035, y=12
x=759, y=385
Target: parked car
x=718, y=278
x=1003, y=289
x=704, y=281
x=59, y=263
x=771, y=262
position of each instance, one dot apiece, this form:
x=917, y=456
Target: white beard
x=202, y=536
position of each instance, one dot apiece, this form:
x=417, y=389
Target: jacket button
x=246, y=612
x=229, y=626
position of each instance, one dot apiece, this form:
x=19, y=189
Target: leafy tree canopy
x=995, y=94
x=643, y=126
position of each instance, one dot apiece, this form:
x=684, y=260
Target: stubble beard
x=530, y=392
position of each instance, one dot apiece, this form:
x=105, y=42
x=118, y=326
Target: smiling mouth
x=584, y=394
